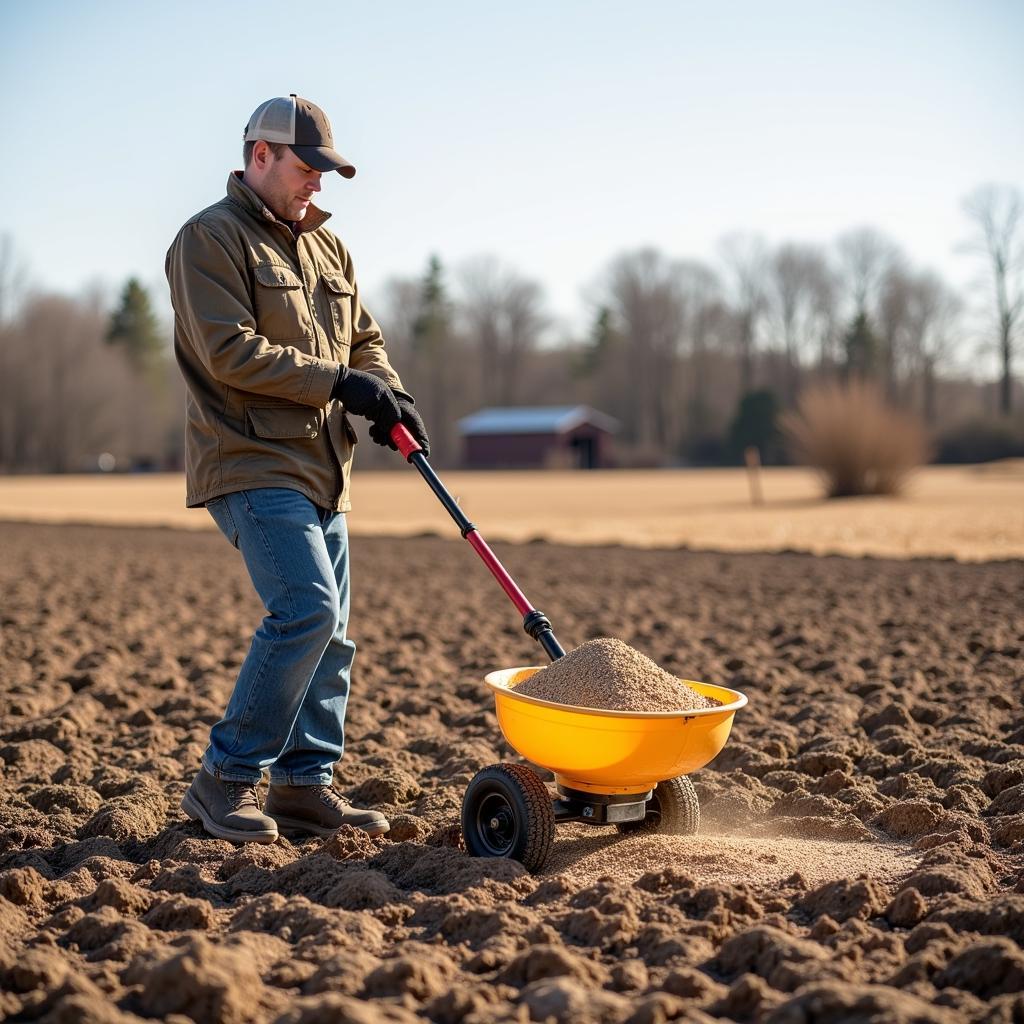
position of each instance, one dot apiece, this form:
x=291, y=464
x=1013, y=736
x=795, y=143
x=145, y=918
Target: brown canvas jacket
x=262, y=322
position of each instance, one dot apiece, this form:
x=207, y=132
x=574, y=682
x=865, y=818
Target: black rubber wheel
x=672, y=810
x=507, y=812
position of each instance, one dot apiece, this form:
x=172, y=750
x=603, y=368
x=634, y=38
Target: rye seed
x=612, y=676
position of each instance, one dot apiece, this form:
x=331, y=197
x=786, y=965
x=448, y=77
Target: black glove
x=411, y=420
x=367, y=395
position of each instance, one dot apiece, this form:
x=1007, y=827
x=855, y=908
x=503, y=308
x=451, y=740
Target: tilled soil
x=862, y=837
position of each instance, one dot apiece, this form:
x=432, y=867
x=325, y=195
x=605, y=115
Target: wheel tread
x=679, y=807
x=539, y=823
x=541, y=814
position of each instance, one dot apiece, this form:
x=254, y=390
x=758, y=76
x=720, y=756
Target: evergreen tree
x=755, y=424
x=135, y=327
x=432, y=324
x=862, y=348
x=432, y=363
x=600, y=340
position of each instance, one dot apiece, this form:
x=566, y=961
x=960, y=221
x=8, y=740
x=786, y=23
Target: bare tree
x=644, y=296
x=896, y=293
x=998, y=215
x=798, y=285
x=65, y=390
x=701, y=307
x=66, y=396
x=12, y=285
x=867, y=261
x=401, y=307
x=865, y=255
x=825, y=305
x=504, y=319
x=746, y=260
x=932, y=322
x=13, y=277
x=525, y=324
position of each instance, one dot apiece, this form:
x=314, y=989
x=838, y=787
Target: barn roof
x=539, y=419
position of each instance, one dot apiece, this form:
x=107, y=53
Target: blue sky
x=553, y=135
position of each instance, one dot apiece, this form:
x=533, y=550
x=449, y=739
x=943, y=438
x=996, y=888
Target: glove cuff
x=343, y=372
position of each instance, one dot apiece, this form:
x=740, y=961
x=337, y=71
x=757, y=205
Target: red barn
x=549, y=437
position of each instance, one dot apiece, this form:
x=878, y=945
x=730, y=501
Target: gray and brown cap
x=301, y=125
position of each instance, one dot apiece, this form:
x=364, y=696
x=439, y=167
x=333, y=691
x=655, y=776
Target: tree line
x=695, y=360
x=82, y=387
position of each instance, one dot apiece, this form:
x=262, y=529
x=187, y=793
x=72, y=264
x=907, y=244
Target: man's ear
x=261, y=154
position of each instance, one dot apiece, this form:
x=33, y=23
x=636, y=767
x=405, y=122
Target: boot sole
x=195, y=810
x=295, y=826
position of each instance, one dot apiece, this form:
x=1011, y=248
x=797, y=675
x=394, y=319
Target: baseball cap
x=301, y=125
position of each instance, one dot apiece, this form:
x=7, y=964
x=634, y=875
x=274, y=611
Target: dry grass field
x=973, y=513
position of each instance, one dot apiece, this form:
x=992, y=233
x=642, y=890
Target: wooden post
x=752, y=457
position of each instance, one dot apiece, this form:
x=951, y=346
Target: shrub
x=983, y=440
x=705, y=450
x=857, y=443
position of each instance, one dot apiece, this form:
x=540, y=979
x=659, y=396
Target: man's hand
x=367, y=395
x=411, y=420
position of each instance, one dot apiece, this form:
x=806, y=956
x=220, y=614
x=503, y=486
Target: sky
x=553, y=135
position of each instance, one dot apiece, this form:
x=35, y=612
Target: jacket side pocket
x=280, y=422
x=350, y=431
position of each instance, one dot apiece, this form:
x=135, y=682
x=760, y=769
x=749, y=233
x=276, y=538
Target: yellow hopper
x=611, y=751
x=624, y=768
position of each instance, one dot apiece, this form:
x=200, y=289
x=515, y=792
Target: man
x=278, y=351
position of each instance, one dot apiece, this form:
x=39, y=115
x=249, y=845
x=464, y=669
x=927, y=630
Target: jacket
x=263, y=321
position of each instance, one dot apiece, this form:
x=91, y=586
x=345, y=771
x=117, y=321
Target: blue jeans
x=287, y=710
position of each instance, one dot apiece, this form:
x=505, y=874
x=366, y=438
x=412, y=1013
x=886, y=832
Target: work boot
x=228, y=810
x=319, y=810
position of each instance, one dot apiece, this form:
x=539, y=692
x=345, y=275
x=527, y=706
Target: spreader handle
x=407, y=444
x=534, y=622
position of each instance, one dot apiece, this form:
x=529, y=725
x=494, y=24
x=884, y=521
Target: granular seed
x=612, y=676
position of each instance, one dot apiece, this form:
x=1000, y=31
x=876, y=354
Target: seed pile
x=612, y=676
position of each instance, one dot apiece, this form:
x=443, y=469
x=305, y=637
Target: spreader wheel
x=507, y=812
x=672, y=810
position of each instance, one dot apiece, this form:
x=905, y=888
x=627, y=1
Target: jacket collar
x=242, y=195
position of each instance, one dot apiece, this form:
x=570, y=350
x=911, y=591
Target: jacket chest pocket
x=339, y=294
x=282, y=312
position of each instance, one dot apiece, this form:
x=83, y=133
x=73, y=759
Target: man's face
x=287, y=185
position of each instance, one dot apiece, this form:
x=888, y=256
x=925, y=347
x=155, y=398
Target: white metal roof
x=539, y=419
